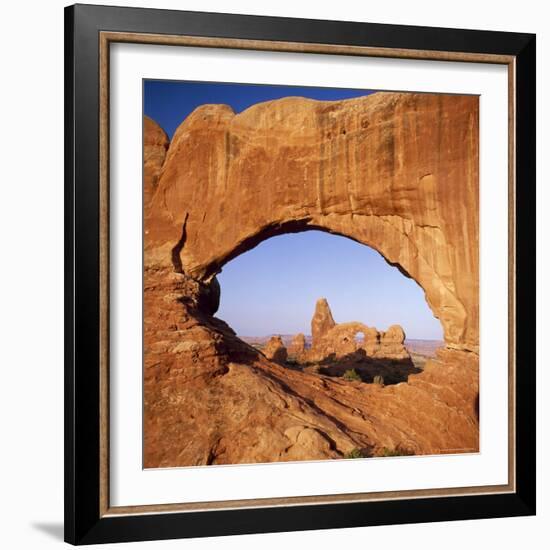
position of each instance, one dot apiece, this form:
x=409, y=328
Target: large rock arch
x=397, y=172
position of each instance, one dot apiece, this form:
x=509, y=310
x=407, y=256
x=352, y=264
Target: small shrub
x=351, y=374
x=379, y=380
x=396, y=451
x=354, y=453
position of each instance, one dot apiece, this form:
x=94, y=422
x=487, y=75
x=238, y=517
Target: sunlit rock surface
x=395, y=171
x=345, y=339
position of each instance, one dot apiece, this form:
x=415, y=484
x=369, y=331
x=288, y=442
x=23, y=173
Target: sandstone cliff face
x=155, y=146
x=397, y=172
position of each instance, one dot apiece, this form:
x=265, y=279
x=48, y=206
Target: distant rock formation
x=298, y=345
x=335, y=341
x=321, y=322
x=392, y=341
x=275, y=350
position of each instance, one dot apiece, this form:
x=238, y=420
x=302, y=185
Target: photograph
x=310, y=274
x=276, y=275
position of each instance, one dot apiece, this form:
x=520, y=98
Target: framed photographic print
x=299, y=274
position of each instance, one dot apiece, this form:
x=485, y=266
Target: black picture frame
x=84, y=523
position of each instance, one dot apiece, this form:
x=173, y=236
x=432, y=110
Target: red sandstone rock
x=392, y=343
x=322, y=321
x=395, y=171
x=298, y=345
x=342, y=340
x=212, y=399
x=275, y=350
x=155, y=145
x=398, y=172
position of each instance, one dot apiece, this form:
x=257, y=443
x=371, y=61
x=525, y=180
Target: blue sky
x=273, y=287
x=169, y=102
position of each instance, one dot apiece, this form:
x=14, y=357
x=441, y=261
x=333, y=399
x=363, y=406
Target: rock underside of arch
x=395, y=171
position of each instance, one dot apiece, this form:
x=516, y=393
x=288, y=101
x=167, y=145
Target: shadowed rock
x=275, y=350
